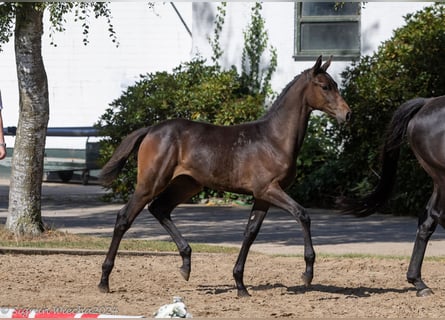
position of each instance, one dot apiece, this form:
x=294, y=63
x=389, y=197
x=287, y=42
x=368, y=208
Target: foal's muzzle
x=345, y=117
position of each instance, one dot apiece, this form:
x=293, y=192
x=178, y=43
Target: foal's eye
x=325, y=87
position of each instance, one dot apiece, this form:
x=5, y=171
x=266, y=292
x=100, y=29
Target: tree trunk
x=27, y=161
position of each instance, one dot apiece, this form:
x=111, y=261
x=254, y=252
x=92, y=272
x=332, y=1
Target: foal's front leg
x=256, y=218
x=276, y=196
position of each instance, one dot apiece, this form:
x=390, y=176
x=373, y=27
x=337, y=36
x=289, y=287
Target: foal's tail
x=395, y=135
x=117, y=161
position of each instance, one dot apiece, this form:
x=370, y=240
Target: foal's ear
x=326, y=65
x=317, y=65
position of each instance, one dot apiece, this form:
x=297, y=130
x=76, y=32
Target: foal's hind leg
x=256, y=218
x=124, y=220
x=426, y=227
x=181, y=189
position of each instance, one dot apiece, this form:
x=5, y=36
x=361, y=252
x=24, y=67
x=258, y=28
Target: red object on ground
x=7, y=313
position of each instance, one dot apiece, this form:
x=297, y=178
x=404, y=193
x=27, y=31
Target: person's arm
x=2, y=139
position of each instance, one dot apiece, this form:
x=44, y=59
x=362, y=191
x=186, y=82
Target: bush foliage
x=193, y=91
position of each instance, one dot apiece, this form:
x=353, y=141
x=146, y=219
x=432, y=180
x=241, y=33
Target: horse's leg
x=124, y=220
x=276, y=196
x=180, y=190
x=256, y=218
x=426, y=227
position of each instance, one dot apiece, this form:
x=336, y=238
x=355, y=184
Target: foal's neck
x=289, y=119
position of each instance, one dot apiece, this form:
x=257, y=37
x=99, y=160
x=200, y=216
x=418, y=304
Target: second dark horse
x=177, y=158
x=422, y=121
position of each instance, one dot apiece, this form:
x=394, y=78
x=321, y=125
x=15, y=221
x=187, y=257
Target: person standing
x=2, y=136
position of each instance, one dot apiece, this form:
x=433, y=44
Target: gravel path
x=77, y=209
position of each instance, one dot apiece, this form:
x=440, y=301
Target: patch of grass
x=365, y=256
x=52, y=239
x=378, y=256
x=362, y=256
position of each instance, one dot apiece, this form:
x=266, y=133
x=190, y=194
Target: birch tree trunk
x=24, y=216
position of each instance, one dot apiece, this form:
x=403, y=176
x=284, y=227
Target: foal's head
x=322, y=92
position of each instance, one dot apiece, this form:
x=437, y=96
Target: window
x=327, y=28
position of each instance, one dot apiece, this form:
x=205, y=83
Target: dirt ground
x=342, y=287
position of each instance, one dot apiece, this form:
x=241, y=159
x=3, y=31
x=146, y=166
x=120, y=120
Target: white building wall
x=83, y=80
x=378, y=21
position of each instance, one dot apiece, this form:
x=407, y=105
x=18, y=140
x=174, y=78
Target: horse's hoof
x=243, y=293
x=103, y=288
x=184, y=273
x=424, y=292
x=307, y=279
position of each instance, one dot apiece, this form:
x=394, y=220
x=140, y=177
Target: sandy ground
x=342, y=287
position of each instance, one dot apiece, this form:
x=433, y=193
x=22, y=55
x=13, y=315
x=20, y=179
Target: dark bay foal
x=177, y=158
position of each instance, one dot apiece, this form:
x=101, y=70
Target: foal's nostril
x=348, y=116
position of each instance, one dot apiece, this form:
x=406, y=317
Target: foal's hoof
x=424, y=292
x=103, y=288
x=243, y=293
x=185, y=273
x=307, y=279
